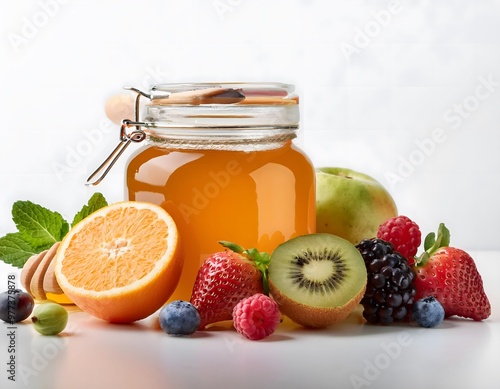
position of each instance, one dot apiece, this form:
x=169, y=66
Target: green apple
x=351, y=204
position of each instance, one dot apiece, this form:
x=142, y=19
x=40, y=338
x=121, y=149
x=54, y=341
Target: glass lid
x=267, y=93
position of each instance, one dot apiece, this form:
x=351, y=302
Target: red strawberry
x=225, y=278
x=450, y=275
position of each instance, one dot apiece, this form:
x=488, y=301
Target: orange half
x=122, y=262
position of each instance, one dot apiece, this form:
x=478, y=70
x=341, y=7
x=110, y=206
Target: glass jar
x=220, y=159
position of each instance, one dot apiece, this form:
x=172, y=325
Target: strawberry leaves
x=432, y=243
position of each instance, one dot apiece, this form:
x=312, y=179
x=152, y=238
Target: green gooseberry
x=50, y=318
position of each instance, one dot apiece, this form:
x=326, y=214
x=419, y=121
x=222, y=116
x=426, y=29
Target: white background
x=406, y=91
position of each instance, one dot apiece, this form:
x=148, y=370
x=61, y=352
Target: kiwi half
x=317, y=279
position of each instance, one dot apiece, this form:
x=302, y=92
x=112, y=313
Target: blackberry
x=390, y=290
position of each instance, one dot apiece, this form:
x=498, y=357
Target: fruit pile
x=316, y=280
x=446, y=273
x=121, y=263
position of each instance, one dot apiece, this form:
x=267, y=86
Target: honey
x=256, y=199
x=220, y=159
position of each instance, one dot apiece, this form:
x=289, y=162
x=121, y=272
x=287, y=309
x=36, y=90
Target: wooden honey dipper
x=38, y=277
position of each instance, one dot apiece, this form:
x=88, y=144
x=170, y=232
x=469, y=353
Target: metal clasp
x=138, y=135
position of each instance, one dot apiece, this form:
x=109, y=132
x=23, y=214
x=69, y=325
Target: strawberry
x=227, y=277
x=450, y=275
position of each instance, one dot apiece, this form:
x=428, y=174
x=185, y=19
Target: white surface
x=91, y=353
x=369, y=111
x=372, y=90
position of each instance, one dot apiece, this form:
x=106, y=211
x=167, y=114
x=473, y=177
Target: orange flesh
x=256, y=199
x=125, y=258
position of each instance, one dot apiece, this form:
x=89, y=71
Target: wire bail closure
x=138, y=135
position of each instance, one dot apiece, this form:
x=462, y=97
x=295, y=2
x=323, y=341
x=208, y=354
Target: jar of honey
x=220, y=159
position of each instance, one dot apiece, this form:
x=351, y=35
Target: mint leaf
x=37, y=225
x=97, y=201
x=15, y=250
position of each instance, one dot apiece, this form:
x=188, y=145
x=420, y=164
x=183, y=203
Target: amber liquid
x=255, y=199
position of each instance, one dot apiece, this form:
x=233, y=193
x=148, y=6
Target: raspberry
x=404, y=234
x=256, y=316
x=390, y=290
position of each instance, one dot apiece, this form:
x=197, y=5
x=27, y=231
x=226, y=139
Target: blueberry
x=428, y=312
x=15, y=305
x=179, y=318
